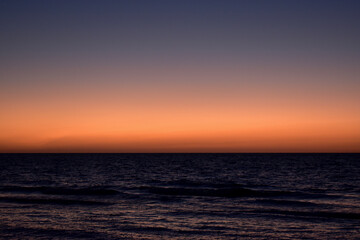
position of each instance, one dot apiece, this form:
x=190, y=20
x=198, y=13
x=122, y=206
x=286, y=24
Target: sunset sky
x=180, y=76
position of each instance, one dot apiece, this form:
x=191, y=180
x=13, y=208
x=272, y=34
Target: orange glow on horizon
x=183, y=133
x=163, y=116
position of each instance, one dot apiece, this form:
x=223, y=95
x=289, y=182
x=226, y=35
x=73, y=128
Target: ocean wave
x=92, y=191
x=60, y=201
x=197, y=183
x=322, y=214
x=18, y=232
x=232, y=192
x=212, y=192
x=282, y=202
x=249, y=212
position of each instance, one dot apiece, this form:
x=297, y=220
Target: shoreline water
x=149, y=196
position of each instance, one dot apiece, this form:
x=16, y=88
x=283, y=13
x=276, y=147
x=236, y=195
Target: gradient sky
x=180, y=76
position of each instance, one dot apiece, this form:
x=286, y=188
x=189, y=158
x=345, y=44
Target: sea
x=180, y=196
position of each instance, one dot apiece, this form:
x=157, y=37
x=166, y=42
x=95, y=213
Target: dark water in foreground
x=180, y=196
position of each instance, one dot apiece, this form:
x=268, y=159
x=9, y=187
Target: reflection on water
x=147, y=196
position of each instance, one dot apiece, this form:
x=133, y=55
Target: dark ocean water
x=180, y=196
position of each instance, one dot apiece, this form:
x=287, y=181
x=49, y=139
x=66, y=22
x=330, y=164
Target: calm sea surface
x=180, y=196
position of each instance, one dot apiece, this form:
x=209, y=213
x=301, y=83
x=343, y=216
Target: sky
x=179, y=76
